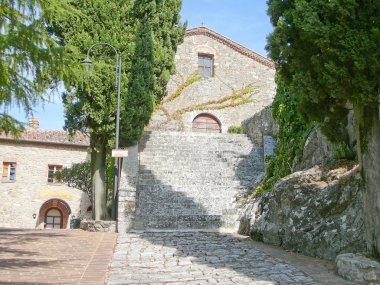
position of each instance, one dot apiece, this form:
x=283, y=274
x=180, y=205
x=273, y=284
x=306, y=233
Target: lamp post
x=88, y=61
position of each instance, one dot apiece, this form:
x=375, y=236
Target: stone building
x=218, y=84
x=187, y=173
x=30, y=195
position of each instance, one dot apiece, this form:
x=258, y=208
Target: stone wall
x=24, y=197
x=259, y=126
x=234, y=71
x=98, y=226
x=127, y=190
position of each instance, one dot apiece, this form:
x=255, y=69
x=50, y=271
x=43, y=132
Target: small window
x=205, y=65
x=53, y=169
x=9, y=171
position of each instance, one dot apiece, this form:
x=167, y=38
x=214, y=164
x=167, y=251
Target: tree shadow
x=202, y=201
x=12, y=242
x=17, y=263
x=167, y=215
x=200, y=257
x=161, y=206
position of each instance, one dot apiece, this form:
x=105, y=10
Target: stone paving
x=54, y=256
x=209, y=258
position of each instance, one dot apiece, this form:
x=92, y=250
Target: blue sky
x=243, y=21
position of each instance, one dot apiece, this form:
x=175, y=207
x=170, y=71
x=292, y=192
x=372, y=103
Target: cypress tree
x=328, y=54
x=133, y=28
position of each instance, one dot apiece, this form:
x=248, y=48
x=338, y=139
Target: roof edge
x=232, y=44
x=39, y=142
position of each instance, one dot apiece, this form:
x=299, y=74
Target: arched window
x=53, y=219
x=54, y=213
x=206, y=123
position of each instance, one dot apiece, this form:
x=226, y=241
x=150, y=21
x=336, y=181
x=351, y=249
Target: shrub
x=235, y=130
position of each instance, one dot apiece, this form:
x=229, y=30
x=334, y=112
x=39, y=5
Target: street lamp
x=88, y=61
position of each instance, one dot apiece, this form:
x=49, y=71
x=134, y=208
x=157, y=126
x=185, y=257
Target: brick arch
x=59, y=204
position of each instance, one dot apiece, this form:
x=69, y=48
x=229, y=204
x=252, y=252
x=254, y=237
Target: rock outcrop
x=359, y=269
x=317, y=149
x=316, y=212
x=259, y=126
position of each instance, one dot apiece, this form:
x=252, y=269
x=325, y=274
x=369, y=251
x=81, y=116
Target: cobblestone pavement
x=54, y=256
x=210, y=258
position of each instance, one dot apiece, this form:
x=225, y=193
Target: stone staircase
x=193, y=181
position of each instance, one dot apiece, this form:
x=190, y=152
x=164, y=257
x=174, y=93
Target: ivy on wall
x=291, y=138
x=236, y=98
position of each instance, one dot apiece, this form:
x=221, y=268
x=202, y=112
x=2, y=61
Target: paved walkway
x=211, y=258
x=54, y=257
x=79, y=257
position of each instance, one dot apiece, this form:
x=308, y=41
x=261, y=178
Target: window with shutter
x=9, y=171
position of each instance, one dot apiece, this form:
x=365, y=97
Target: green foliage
x=77, y=176
x=29, y=56
x=293, y=131
x=10, y=125
x=235, y=130
x=328, y=54
x=146, y=34
x=344, y=151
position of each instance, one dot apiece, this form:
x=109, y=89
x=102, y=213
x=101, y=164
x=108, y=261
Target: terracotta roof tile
x=230, y=43
x=50, y=137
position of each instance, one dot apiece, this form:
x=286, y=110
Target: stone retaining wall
x=98, y=226
x=127, y=190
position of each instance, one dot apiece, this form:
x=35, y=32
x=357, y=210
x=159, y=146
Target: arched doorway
x=206, y=123
x=54, y=213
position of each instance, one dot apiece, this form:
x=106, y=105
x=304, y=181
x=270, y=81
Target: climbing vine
x=292, y=134
x=237, y=98
x=193, y=78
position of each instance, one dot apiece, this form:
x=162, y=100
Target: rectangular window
x=205, y=65
x=53, y=169
x=9, y=171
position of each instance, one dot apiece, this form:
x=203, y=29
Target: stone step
x=187, y=222
x=206, y=147
x=189, y=135
x=183, y=222
x=191, y=181
x=167, y=165
x=179, y=182
x=179, y=204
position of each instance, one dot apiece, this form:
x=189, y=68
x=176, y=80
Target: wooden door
x=206, y=123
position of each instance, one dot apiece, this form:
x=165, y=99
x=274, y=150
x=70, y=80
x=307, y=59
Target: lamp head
x=87, y=61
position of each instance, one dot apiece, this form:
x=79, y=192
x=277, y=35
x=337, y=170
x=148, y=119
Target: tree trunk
x=98, y=163
x=367, y=131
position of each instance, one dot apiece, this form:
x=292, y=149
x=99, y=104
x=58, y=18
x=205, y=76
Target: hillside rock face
x=316, y=212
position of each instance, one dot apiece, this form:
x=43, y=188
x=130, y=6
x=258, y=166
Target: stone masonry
x=187, y=181
x=33, y=153
x=235, y=68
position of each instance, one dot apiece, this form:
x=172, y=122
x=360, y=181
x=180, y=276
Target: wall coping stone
x=98, y=226
x=358, y=268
